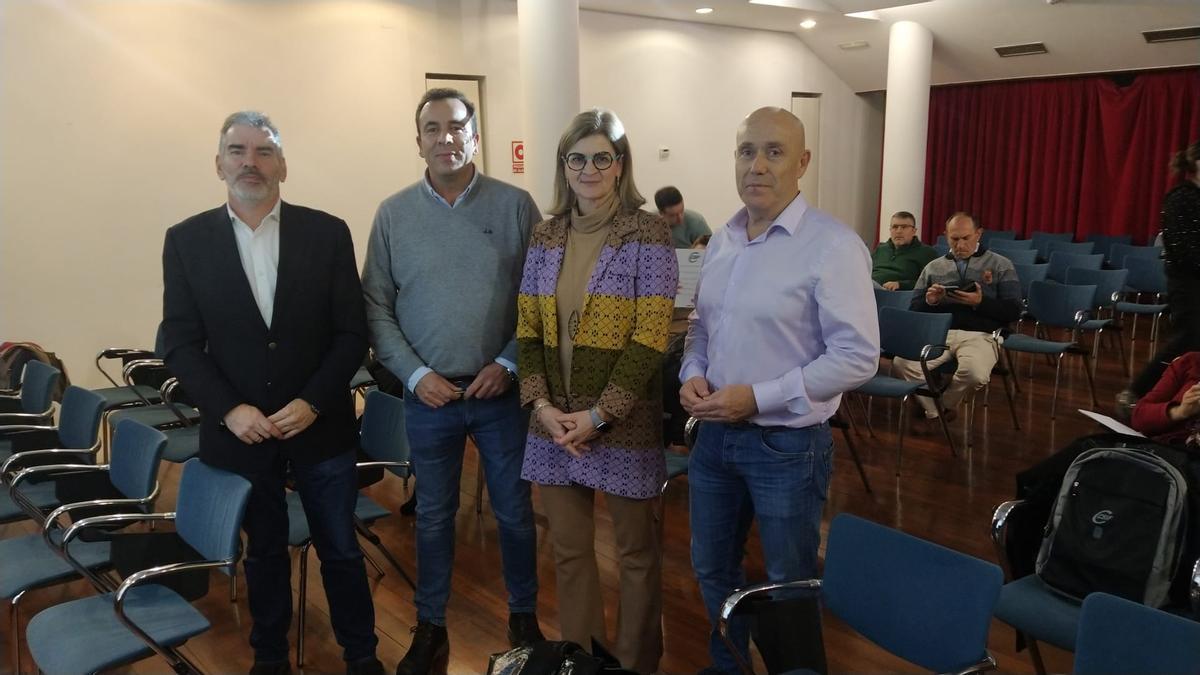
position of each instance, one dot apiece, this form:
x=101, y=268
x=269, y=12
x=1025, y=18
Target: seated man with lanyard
x=981, y=290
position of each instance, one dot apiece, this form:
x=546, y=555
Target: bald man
x=784, y=324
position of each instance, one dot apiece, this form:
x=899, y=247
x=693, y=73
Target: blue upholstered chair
x=1061, y=261
x=1002, y=245
x=1118, y=253
x=1105, y=242
x=1059, y=306
x=897, y=299
x=1018, y=256
x=34, y=560
x=74, y=440
x=1120, y=636
x=1109, y=284
x=1041, y=241
x=34, y=403
x=916, y=336
x=1077, y=248
x=141, y=617
x=992, y=236
x=383, y=439
x=927, y=604
x=1147, y=277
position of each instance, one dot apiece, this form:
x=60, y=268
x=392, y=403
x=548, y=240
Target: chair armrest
x=927, y=355
x=138, y=364
x=154, y=572
x=737, y=597
x=382, y=464
x=118, y=353
x=53, y=468
x=9, y=419
x=52, y=520
x=7, y=429
x=112, y=519
x=167, y=390
x=21, y=457
x=1000, y=533
x=691, y=429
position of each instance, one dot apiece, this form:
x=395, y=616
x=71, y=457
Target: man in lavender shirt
x=785, y=322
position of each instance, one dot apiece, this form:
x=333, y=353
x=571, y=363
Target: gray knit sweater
x=441, y=283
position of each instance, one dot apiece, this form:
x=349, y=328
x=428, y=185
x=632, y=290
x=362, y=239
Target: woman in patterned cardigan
x=595, y=303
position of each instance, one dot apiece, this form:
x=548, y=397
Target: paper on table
x=689, y=275
x=1112, y=424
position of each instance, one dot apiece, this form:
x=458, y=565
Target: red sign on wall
x=518, y=156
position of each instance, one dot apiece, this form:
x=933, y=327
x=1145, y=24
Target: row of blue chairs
x=1113, y=249
x=933, y=606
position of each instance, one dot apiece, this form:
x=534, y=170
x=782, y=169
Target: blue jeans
x=328, y=490
x=740, y=472
x=437, y=438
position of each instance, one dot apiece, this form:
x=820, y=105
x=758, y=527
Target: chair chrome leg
x=303, y=604
x=857, y=462
x=479, y=487
x=14, y=622
x=378, y=570
x=1054, y=398
x=366, y=533
x=1012, y=408
x=1091, y=380
x=233, y=589
x=946, y=430
x=900, y=443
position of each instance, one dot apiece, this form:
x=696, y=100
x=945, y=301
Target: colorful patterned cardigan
x=617, y=356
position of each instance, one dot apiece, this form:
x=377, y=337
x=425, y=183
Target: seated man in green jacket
x=897, y=262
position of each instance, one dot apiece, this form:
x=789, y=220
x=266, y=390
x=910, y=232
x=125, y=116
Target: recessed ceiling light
x=704, y=10
x=808, y=23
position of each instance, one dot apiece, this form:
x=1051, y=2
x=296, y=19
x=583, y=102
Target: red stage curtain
x=1078, y=154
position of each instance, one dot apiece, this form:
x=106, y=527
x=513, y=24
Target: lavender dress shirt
x=791, y=313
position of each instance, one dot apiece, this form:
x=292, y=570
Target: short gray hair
x=253, y=119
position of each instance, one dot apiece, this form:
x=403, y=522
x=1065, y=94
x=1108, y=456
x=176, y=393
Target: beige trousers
x=976, y=353
x=571, y=513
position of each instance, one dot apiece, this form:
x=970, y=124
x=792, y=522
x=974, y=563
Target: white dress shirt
x=259, y=250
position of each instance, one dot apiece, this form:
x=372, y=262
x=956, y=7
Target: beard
x=250, y=192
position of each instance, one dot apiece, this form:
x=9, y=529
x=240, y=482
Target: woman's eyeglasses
x=576, y=161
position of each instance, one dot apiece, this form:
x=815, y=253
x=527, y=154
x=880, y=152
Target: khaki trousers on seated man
x=976, y=353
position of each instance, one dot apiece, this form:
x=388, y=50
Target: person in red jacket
x=1170, y=412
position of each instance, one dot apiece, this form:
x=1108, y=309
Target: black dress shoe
x=271, y=668
x=428, y=653
x=523, y=629
x=367, y=666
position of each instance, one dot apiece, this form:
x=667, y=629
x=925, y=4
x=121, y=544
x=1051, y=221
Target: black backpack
x=1118, y=526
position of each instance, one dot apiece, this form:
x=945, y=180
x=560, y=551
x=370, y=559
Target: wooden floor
x=944, y=499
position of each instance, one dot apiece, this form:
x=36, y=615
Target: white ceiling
x=1082, y=36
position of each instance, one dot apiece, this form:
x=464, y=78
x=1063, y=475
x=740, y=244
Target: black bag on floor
x=1118, y=526
x=555, y=658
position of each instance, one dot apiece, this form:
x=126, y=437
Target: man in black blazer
x=263, y=323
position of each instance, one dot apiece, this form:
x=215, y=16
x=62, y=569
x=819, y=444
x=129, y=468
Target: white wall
x=687, y=86
x=109, y=112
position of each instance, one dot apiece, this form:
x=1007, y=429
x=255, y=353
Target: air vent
x=1022, y=50
x=1172, y=34
x=857, y=44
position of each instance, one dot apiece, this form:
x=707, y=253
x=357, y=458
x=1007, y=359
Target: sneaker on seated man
x=981, y=291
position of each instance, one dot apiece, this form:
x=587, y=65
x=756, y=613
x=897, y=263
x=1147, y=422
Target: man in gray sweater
x=441, y=278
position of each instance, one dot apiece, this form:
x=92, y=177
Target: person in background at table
x=687, y=226
x=897, y=262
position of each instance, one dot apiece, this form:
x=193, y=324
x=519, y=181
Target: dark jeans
x=740, y=472
x=1183, y=295
x=438, y=438
x=328, y=490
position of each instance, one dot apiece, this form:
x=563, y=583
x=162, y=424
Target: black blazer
x=216, y=343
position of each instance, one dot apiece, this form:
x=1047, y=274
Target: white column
x=548, y=37
x=906, y=123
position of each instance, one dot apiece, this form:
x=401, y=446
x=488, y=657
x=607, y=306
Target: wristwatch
x=598, y=422
x=315, y=410
x=512, y=374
